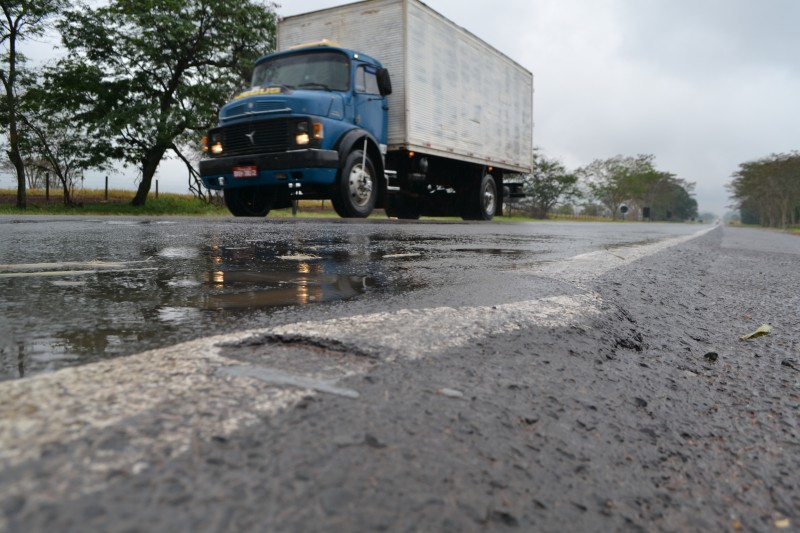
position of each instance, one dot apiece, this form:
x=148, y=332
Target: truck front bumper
x=307, y=166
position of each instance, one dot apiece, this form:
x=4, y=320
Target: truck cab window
x=367, y=80
x=313, y=70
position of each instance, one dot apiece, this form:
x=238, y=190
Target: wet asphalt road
x=81, y=290
x=524, y=383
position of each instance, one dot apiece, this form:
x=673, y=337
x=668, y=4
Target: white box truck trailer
x=406, y=111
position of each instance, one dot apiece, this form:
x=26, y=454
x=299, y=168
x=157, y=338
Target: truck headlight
x=302, y=137
x=215, y=142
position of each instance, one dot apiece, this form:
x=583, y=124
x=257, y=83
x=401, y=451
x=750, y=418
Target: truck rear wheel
x=480, y=202
x=249, y=201
x=356, y=189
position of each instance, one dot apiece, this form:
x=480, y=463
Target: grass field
x=94, y=202
x=117, y=202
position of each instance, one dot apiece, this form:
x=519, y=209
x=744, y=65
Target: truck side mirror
x=384, y=82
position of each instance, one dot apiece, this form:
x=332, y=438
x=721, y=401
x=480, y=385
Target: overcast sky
x=702, y=84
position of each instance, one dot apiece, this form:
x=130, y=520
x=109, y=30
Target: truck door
x=370, y=106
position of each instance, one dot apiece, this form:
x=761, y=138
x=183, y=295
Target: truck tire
x=249, y=201
x=480, y=203
x=356, y=189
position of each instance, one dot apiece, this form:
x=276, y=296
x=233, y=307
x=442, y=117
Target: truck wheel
x=356, y=189
x=480, y=203
x=249, y=201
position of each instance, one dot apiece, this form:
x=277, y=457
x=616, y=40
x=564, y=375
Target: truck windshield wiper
x=276, y=84
x=314, y=85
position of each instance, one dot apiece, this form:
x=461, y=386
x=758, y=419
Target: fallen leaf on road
x=766, y=329
x=451, y=393
x=783, y=523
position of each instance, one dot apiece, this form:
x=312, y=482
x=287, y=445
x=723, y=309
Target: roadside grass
x=94, y=202
x=117, y=203
x=795, y=230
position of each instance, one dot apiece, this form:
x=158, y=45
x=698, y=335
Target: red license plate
x=245, y=172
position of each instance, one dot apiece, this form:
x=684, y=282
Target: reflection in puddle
x=299, y=257
x=61, y=283
x=285, y=288
x=93, y=310
x=53, y=357
x=177, y=315
x=179, y=253
x=183, y=283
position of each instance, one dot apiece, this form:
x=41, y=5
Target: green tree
x=157, y=71
x=636, y=181
x=617, y=180
x=767, y=191
x=674, y=202
x=668, y=197
x=22, y=19
x=55, y=142
x=548, y=183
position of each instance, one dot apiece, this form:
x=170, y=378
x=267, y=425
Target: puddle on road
x=177, y=315
x=179, y=253
x=154, y=292
x=283, y=288
x=98, y=309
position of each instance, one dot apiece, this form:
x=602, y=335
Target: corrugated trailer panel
x=454, y=95
x=464, y=97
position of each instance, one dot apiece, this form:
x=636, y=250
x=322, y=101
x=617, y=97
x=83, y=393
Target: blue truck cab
x=312, y=125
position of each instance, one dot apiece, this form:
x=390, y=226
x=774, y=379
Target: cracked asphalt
x=587, y=401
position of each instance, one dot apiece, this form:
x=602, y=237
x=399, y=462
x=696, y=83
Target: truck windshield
x=327, y=71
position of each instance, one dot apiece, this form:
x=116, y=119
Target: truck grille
x=255, y=137
x=263, y=106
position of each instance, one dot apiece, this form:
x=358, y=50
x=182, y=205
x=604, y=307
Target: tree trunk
x=16, y=159
x=13, y=133
x=65, y=188
x=150, y=164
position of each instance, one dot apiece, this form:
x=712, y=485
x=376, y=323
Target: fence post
x=47, y=186
x=156, y=189
x=106, y=195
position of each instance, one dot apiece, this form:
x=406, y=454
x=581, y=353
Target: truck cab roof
x=323, y=46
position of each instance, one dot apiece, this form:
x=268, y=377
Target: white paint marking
x=299, y=257
x=280, y=378
x=15, y=267
x=56, y=273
